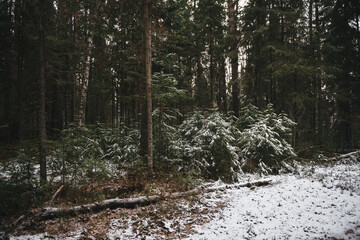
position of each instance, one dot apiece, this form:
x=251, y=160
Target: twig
x=54, y=196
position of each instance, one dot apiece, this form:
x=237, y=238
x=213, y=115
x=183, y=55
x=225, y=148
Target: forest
x=111, y=99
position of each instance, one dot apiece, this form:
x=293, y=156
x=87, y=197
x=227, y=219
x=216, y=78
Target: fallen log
x=342, y=156
x=51, y=212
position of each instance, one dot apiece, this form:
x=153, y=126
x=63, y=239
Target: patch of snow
x=343, y=176
x=292, y=208
x=40, y=236
x=47, y=236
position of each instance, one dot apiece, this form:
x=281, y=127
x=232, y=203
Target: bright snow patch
x=292, y=208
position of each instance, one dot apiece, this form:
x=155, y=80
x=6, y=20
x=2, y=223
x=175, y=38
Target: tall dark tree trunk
x=146, y=123
x=42, y=91
x=259, y=81
x=19, y=60
x=234, y=57
x=222, y=102
x=317, y=80
x=75, y=61
x=85, y=81
x=311, y=22
x=200, y=85
x=343, y=40
x=5, y=48
x=212, y=74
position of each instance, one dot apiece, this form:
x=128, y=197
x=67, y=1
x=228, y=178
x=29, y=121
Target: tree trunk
x=201, y=86
x=222, y=103
x=234, y=57
x=212, y=72
x=310, y=21
x=259, y=81
x=19, y=60
x=42, y=90
x=146, y=123
x=85, y=80
x=75, y=60
x=318, y=83
x=5, y=73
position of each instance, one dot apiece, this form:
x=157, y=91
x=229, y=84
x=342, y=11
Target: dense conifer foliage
x=200, y=88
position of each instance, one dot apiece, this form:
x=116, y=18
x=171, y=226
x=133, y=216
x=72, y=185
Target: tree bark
x=5, y=73
x=85, y=80
x=19, y=60
x=222, y=103
x=42, y=91
x=75, y=60
x=234, y=57
x=212, y=73
x=200, y=84
x=146, y=123
x=311, y=21
x=318, y=83
x=259, y=81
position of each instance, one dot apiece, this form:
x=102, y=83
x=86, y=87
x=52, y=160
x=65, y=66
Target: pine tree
x=146, y=123
x=42, y=92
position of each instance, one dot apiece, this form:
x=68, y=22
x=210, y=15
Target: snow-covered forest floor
x=318, y=202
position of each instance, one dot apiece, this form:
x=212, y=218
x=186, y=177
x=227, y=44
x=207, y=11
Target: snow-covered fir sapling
x=168, y=150
x=122, y=146
x=211, y=145
x=167, y=140
x=263, y=140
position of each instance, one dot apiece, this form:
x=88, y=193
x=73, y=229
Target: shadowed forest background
x=235, y=86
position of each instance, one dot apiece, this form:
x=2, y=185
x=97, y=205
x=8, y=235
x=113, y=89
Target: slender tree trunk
x=344, y=99
x=74, y=100
x=146, y=122
x=42, y=90
x=56, y=116
x=271, y=87
x=234, y=57
x=317, y=81
x=85, y=80
x=143, y=127
x=19, y=60
x=311, y=21
x=5, y=70
x=212, y=75
x=68, y=93
x=358, y=28
x=113, y=104
x=200, y=93
x=222, y=88
x=260, y=22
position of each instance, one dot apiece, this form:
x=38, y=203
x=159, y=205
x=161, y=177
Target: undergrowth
x=94, y=162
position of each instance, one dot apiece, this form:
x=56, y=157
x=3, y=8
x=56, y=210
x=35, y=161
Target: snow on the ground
x=319, y=206
x=319, y=203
